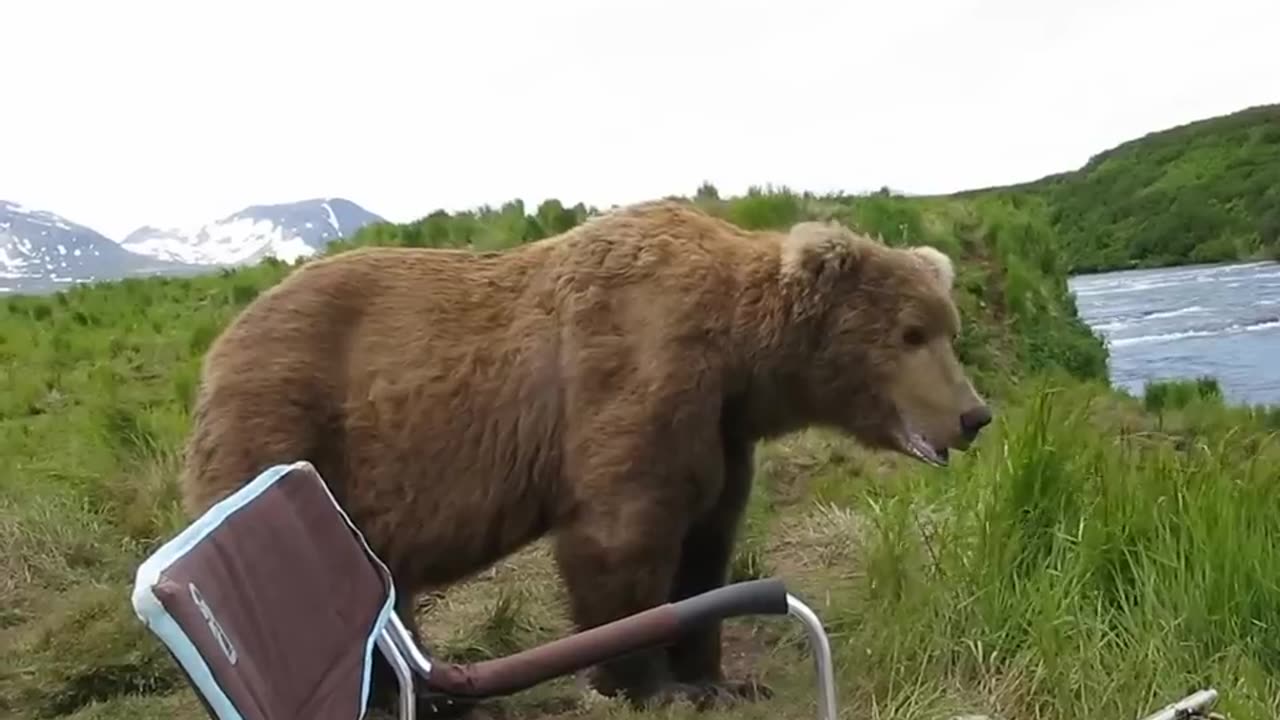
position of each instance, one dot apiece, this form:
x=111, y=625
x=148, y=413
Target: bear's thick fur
x=606, y=386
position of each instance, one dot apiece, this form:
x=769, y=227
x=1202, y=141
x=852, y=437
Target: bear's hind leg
x=616, y=562
x=704, y=565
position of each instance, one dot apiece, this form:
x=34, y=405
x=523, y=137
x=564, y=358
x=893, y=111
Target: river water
x=1219, y=320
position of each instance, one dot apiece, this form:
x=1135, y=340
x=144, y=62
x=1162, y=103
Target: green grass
x=1096, y=556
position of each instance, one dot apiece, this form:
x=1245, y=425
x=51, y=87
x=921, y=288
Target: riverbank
x=1089, y=558
x=1200, y=192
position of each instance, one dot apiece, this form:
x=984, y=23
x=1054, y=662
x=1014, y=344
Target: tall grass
x=1087, y=568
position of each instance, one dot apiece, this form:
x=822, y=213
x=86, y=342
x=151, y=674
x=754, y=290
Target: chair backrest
x=271, y=602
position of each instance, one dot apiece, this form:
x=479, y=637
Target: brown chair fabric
x=278, y=596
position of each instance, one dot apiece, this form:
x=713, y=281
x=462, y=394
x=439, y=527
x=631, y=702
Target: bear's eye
x=913, y=336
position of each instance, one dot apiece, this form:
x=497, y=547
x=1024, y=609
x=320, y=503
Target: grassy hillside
x=1206, y=191
x=1092, y=558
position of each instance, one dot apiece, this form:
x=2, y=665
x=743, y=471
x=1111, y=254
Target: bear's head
x=877, y=325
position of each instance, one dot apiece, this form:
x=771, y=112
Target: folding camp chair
x=272, y=603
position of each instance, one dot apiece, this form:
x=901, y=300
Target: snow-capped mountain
x=40, y=247
x=287, y=231
x=40, y=250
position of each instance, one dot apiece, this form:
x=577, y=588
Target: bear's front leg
x=617, y=561
x=618, y=558
x=704, y=565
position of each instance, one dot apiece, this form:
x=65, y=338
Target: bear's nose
x=972, y=421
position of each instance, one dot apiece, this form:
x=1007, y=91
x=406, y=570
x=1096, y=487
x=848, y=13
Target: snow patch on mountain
x=287, y=231
x=40, y=244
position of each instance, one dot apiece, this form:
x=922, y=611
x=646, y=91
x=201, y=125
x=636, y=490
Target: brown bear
x=606, y=386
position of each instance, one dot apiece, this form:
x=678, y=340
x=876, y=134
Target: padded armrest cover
x=271, y=602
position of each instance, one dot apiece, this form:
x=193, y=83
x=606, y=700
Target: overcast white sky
x=123, y=113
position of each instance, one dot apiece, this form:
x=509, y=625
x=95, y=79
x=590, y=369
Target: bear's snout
x=972, y=421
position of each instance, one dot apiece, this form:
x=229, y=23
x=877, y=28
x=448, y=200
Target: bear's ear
x=820, y=249
x=937, y=263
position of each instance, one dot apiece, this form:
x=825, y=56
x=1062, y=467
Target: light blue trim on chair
x=152, y=613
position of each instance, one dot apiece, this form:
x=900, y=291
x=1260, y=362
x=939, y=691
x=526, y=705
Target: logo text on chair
x=223, y=641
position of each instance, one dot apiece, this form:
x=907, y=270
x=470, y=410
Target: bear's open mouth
x=916, y=446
